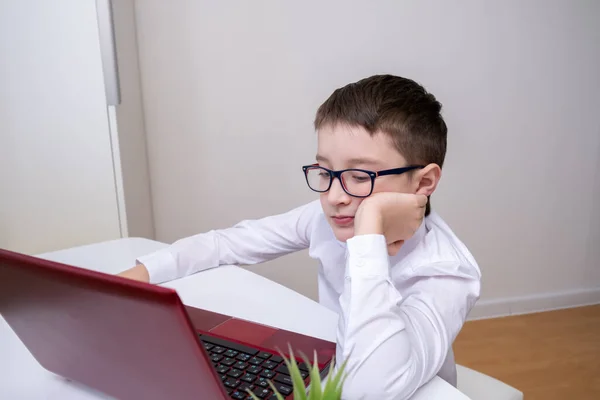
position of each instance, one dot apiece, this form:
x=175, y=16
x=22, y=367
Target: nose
x=336, y=194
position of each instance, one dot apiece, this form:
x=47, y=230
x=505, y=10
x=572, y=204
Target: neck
x=411, y=243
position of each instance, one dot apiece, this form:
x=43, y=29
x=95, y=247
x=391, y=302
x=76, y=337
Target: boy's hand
x=137, y=273
x=397, y=216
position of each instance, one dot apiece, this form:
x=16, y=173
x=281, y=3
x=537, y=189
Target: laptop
x=133, y=340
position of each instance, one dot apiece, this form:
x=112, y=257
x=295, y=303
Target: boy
x=400, y=280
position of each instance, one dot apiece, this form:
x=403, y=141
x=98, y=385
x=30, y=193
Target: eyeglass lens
x=357, y=183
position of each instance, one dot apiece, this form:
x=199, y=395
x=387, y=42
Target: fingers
x=421, y=200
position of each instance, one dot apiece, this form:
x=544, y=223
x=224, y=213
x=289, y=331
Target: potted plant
x=329, y=389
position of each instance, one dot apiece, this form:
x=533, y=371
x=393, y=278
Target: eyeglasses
x=355, y=182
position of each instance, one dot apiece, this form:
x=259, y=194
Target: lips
x=342, y=220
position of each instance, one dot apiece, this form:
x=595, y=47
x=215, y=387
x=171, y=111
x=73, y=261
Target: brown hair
x=396, y=106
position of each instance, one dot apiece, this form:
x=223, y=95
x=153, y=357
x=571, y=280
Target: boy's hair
x=396, y=106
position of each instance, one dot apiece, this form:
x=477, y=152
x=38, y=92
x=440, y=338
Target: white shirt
x=398, y=315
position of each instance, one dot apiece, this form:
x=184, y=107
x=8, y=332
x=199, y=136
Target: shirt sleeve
x=395, y=342
x=248, y=242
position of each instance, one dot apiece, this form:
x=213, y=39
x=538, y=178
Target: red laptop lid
x=127, y=339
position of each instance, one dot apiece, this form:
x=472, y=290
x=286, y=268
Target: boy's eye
x=324, y=174
x=360, y=178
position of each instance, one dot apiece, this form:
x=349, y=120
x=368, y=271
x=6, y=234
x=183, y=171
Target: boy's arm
x=396, y=342
x=248, y=242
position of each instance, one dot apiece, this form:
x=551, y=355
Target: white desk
x=22, y=378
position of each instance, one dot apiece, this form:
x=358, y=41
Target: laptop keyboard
x=241, y=367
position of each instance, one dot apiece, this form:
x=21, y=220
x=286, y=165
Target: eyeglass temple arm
x=396, y=171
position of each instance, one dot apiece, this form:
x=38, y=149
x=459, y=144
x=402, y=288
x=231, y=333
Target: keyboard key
x=223, y=377
x=276, y=359
x=232, y=345
x=244, y=386
x=255, y=361
x=270, y=364
x=221, y=369
x=243, y=357
x=264, y=354
x=228, y=361
x=238, y=395
x=216, y=358
x=235, y=373
x=240, y=365
x=283, y=369
x=218, y=350
x=208, y=346
x=230, y=353
x=231, y=382
x=248, y=378
x=273, y=397
x=262, y=382
x=283, y=389
x=261, y=393
x=302, y=366
x=268, y=373
x=285, y=379
x=254, y=369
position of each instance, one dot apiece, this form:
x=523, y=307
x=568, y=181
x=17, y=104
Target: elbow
x=367, y=385
x=354, y=389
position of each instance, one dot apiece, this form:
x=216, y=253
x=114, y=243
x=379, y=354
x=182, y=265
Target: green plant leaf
x=335, y=383
x=299, y=387
x=315, y=389
x=333, y=386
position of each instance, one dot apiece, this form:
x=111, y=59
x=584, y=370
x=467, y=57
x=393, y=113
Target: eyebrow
x=363, y=161
x=353, y=161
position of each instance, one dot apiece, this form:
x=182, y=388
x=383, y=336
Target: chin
x=343, y=234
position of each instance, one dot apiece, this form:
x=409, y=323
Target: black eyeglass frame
x=373, y=174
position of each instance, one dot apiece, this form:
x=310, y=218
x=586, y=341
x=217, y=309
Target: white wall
x=230, y=90
x=72, y=170
x=57, y=183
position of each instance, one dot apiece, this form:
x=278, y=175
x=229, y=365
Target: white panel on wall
x=57, y=182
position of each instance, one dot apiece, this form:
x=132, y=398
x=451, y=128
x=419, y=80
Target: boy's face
x=342, y=147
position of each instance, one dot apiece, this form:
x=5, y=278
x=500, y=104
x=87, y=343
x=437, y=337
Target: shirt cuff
x=368, y=256
x=160, y=266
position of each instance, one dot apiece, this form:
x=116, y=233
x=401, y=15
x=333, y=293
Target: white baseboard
x=537, y=303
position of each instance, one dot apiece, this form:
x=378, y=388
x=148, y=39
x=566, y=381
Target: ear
x=426, y=179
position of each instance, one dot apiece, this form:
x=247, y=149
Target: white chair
x=478, y=386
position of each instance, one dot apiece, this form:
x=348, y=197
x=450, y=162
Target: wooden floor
x=550, y=355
